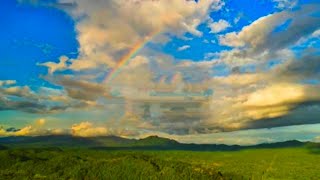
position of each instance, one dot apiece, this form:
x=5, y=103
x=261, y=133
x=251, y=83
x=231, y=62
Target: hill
x=119, y=143
x=3, y=147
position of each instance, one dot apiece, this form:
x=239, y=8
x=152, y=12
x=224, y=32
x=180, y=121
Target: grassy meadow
x=66, y=163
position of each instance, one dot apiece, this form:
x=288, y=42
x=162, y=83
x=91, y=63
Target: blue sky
x=246, y=11
x=260, y=58
x=31, y=35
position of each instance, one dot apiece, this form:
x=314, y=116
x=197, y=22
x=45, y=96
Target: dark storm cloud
x=302, y=23
x=79, y=89
x=307, y=113
x=24, y=106
x=305, y=67
x=12, y=129
x=31, y=106
x=302, y=110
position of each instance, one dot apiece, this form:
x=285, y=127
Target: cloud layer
x=265, y=75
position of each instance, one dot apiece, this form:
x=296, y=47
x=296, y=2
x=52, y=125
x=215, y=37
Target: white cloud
x=236, y=19
x=53, y=67
x=217, y=5
x=261, y=40
x=254, y=34
x=285, y=4
x=259, y=36
x=112, y=27
x=218, y=26
x=316, y=33
x=182, y=48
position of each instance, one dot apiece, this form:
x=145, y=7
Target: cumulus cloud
x=266, y=37
x=103, y=41
x=86, y=129
x=256, y=33
x=19, y=91
x=53, y=67
x=218, y=26
x=41, y=122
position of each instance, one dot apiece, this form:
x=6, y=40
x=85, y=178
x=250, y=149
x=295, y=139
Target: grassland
x=282, y=163
x=62, y=163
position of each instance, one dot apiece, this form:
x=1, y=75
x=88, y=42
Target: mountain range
x=119, y=143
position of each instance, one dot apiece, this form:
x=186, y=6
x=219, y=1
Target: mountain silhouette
x=119, y=143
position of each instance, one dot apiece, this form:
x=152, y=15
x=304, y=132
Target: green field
x=57, y=163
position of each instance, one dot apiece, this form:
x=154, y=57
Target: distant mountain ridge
x=75, y=141
x=119, y=143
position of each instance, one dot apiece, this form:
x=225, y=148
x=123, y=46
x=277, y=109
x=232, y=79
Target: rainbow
x=124, y=61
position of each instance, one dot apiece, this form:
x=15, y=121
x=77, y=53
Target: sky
x=205, y=71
